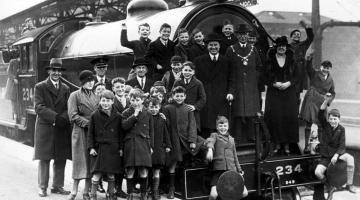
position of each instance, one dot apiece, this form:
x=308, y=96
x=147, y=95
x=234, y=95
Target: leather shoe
x=351, y=188
x=60, y=190
x=121, y=194
x=171, y=194
x=100, y=188
x=42, y=193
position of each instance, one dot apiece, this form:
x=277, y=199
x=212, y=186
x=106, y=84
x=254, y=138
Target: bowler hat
x=212, y=37
x=242, y=28
x=140, y=61
x=176, y=59
x=86, y=76
x=100, y=62
x=336, y=173
x=282, y=40
x=107, y=94
x=55, y=63
x=230, y=185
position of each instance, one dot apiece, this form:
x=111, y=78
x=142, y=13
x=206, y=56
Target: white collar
x=242, y=45
x=216, y=56
x=55, y=82
x=99, y=78
x=140, y=78
x=176, y=75
x=164, y=42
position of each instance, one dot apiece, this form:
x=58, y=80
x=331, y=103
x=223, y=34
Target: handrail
x=69, y=83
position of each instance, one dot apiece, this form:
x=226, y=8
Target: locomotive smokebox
x=142, y=8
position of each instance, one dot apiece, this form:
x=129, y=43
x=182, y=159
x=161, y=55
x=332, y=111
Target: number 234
x=288, y=169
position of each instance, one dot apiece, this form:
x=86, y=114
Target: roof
x=30, y=36
x=283, y=17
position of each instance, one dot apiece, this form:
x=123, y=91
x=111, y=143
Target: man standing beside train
x=100, y=68
x=245, y=65
x=52, y=129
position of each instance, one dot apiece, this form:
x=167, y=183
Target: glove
x=60, y=121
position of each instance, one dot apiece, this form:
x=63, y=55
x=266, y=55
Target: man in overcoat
x=245, y=65
x=52, y=128
x=213, y=70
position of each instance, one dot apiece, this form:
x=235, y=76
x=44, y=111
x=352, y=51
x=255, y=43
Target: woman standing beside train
x=281, y=110
x=81, y=104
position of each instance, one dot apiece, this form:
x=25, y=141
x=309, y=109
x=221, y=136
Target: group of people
x=177, y=103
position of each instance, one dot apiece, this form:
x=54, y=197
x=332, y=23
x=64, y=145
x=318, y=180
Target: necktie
x=56, y=85
x=142, y=83
x=102, y=80
x=214, y=59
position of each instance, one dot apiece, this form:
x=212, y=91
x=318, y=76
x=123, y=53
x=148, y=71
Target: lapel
x=61, y=92
x=192, y=83
x=113, y=116
x=91, y=102
x=50, y=86
x=226, y=140
x=215, y=67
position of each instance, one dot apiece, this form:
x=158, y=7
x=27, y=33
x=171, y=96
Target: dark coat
x=299, y=50
x=168, y=80
x=195, y=95
x=105, y=136
x=161, y=141
x=157, y=53
x=118, y=106
x=331, y=140
x=197, y=50
x=315, y=95
x=246, y=99
x=226, y=42
x=80, y=108
x=139, y=47
x=182, y=130
x=108, y=84
x=224, y=152
x=139, y=138
x=182, y=51
x=217, y=82
x=52, y=141
x=281, y=108
x=135, y=84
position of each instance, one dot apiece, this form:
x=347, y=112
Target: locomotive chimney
x=138, y=8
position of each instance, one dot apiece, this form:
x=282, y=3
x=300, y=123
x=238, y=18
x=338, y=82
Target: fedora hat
x=140, y=61
x=230, y=185
x=100, y=61
x=282, y=40
x=242, y=28
x=212, y=37
x=55, y=63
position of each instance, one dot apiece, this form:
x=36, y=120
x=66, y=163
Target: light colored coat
x=80, y=107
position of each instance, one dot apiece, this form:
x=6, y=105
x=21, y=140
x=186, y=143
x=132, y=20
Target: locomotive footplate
x=292, y=171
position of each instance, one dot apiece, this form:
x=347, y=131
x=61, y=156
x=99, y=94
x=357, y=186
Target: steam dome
x=145, y=7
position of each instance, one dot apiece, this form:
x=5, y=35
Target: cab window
x=25, y=57
x=49, y=38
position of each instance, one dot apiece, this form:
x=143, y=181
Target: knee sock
x=350, y=174
x=94, y=187
x=130, y=185
x=156, y=182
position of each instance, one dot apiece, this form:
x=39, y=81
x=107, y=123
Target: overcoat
x=135, y=84
x=299, y=49
x=118, y=106
x=182, y=51
x=246, y=99
x=224, y=152
x=138, y=139
x=139, y=47
x=195, y=95
x=197, y=50
x=182, y=131
x=161, y=141
x=106, y=137
x=168, y=80
x=81, y=105
x=217, y=82
x=51, y=140
x=226, y=42
x=157, y=53
x=281, y=109
x=314, y=97
x=11, y=91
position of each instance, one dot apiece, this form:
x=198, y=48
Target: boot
x=130, y=187
x=94, y=186
x=307, y=136
x=171, y=186
x=155, y=189
x=119, y=180
x=100, y=187
x=143, y=188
